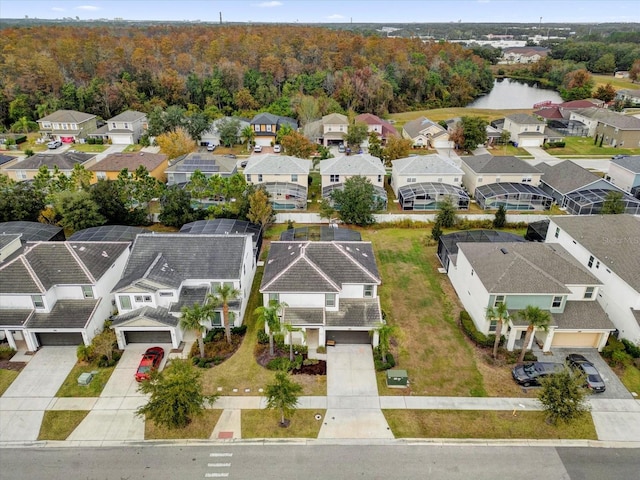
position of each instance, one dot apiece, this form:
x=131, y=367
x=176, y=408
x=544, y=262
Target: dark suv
x=529, y=374
x=592, y=378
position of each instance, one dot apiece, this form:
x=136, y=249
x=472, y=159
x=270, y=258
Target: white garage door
x=530, y=142
x=265, y=142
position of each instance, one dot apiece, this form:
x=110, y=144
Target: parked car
x=341, y=149
x=618, y=157
x=243, y=163
x=593, y=380
x=52, y=145
x=277, y=149
x=211, y=147
x=257, y=148
x=151, y=360
x=529, y=374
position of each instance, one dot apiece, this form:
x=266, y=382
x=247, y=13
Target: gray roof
x=414, y=127
x=615, y=119
x=207, y=163
x=355, y=312
x=65, y=314
x=303, y=316
x=14, y=317
x=6, y=158
x=631, y=163
x=424, y=165
x=582, y=315
x=128, y=116
x=489, y=164
x=6, y=239
x=612, y=239
x=361, y=164
x=566, y=176
x=189, y=296
x=524, y=119
x=313, y=130
x=525, y=268
x=169, y=259
x=269, y=164
x=271, y=119
x=46, y=264
x=71, y=116
x=318, y=266
x=64, y=161
x=335, y=118
x=32, y=231
x=159, y=314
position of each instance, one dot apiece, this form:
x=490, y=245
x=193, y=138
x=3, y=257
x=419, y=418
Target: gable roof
x=566, y=176
x=414, y=127
x=487, y=163
x=65, y=314
x=336, y=118
x=277, y=165
x=612, y=239
x=371, y=119
x=128, y=116
x=71, y=116
x=169, y=259
x=361, y=164
x=549, y=112
x=525, y=268
x=159, y=315
x=524, y=119
x=630, y=163
x=207, y=163
x=6, y=158
x=618, y=120
x=266, y=118
x=318, y=266
x=115, y=162
x=424, y=165
x=45, y=264
x=64, y=161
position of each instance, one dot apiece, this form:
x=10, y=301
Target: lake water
x=508, y=93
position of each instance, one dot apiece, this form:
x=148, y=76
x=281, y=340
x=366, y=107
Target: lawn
x=201, y=427
x=484, y=424
x=70, y=387
x=86, y=147
x=630, y=377
x=58, y=424
x=242, y=372
x=617, y=83
x=265, y=424
x=6, y=379
x=439, y=114
x=581, y=146
x=133, y=148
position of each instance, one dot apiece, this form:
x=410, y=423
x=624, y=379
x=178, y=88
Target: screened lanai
x=590, y=202
x=427, y=196
x=286, y=196
x=513, y=196
x=379, y=193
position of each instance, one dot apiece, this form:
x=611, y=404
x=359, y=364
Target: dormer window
x=38, y=301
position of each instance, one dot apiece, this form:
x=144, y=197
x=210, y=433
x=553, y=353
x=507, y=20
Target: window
x=456, y=180
x=216, y=319
x=103, y=176
x=497, y=179
x=379, y=178
x=557, y=234
x=499, y=300
x=527, y=179
x=557, y=302
x=125, y=303
x=87, y=291
x=231, y=285
x=330, y=300
x=259, y=177
x=143, y=298
x=590, y=262
x=113, y=125
x=126, y=125
x=368, y=291
x=268, y=128
x=37, y=300
x=588, y=292
x=248, y=177
x=334, y=178
x=294, y=178
x=411, y=179
x=21, y=174
x=274, y=297
x=479, y=179
x=492, y=326
x=440, y=180
x=166, y=294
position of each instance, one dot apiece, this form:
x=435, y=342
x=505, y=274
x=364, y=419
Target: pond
x=508, y=93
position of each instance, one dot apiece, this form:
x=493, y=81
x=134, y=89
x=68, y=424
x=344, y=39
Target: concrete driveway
x=23, y=404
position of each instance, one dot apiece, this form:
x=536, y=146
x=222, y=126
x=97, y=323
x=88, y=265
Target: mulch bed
x=263, y=357
x=15, y=366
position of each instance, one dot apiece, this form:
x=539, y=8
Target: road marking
x=215, y=475
x=221, y=454
x=219, y=465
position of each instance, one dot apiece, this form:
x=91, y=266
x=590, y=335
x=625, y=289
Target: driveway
x=540, y=155
x=23, y=404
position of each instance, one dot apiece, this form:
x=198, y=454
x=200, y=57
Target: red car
x=151, y=360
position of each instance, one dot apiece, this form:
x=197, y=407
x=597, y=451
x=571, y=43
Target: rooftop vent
x=504, y=250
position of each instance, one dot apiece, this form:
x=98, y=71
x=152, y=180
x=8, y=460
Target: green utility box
x=397, y=378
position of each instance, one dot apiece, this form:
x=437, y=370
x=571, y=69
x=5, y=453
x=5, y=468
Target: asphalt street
x=318, y=461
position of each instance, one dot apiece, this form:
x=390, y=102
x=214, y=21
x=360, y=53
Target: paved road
x=317, y=461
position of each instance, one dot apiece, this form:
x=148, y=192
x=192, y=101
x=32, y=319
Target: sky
x=333, y=11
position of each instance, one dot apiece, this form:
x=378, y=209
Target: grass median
x=265, y=424
x=70, y=387
x=58, y=424
x=6, y=379
x=200, y=427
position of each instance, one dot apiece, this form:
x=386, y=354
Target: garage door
x=341, y=337
x=264, y=142
x=530, y=142
x=59, y=339
x=149, y=336
x=575, y=339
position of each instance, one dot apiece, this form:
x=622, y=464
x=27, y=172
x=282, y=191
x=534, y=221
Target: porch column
x=376, y=339
x=120, y=338
x=547, y=341
x=32, y=344
x=511, y=338
x=12, y=341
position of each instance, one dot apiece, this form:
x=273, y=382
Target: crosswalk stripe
x=224, y=454
x=218, y=465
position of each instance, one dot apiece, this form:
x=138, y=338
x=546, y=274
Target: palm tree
x=270, y=315
x=290, y=329
x=192, y=318
x=536, y=318
x=283, y=395
x=385, y=332
x=223, y=295
x=248, y=134
x=499, y=313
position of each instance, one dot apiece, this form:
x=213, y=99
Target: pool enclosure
x=512, y=196
x=428, y=196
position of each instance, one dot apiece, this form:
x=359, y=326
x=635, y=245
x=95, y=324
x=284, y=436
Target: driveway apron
x=352, y=395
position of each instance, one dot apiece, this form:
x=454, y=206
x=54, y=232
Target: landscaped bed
x=70, y=387
x=58, y=424
x=265, y=424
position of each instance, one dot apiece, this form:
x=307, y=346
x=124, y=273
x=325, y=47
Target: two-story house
x=526, y=130
x=266, y=125
x=67, y=126
x=608, y=246
x=28, y=168
x=611, y=128
x=531, y=274
x=211, y=136
x=624, y=172
x=425, y=133
x=285, y=178
x=504, y=180
x=58, y=293
x=110, y=166
x=381, y=127
x=424, y=181
x=182, y=168
x=334, y=172
x=629, y=95
x=167, y=272
x=330, y=290
x=127, y=128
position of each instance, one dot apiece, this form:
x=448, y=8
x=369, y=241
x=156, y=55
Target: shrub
x=214, y=335
x=613, y=345
x=620, y=357
x=91, y=141
x=279, y=364
x=263, y=338
x=241, y=330
x=6, y=353
x=310, y=361
x=302, y=349
x=469, y=328
x=321, y=349
x=631, y=348
x=513, y=356
x=386, y=364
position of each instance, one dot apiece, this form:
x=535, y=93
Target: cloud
x=335, y=16
x=91, y=8
x=268, y=4
x=58, y=9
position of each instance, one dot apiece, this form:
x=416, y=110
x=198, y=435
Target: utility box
x=397, y=379
x=85, y=378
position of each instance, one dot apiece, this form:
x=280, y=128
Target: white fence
x=394, y=217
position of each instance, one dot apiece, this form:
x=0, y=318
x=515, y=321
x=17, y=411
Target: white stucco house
x=625, y=173
x=608, y=246
x=425, y=133
x=526, y=130
x=166, y=272
x=127, y=128
x=334, y=172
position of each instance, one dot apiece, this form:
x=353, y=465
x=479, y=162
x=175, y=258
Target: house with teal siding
x=537, y=274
